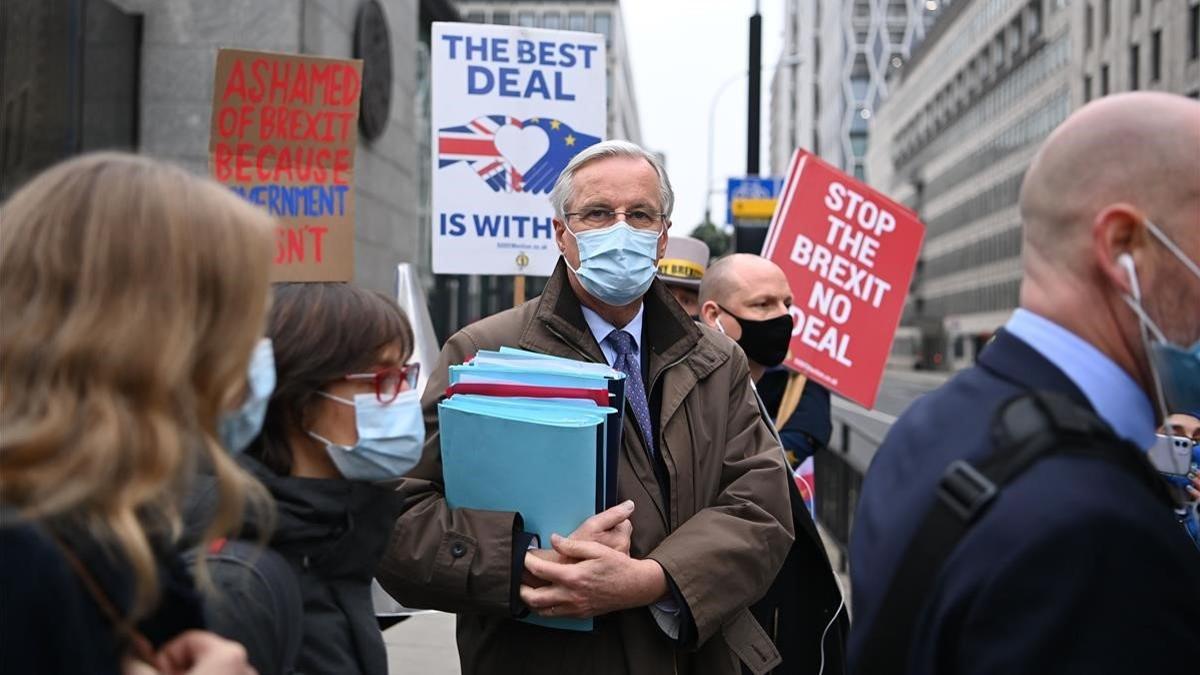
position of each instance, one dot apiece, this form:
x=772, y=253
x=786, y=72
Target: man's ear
x=1119, y=230
x=662, y=240
x=560, y=232
x=709, y=312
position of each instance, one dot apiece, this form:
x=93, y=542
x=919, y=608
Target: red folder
x=600, y=396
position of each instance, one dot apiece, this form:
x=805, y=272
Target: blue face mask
x=1176, y=368
x=617, y=263
x=239, y=427
x=390, y=437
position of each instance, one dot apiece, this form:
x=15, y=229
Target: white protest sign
x=510, y=107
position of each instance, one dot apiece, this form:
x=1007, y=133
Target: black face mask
x=765, y=342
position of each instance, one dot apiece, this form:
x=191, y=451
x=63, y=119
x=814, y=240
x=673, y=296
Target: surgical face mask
x=765, y=342
x=1176, y=368
x=390, y=437
x=617, y=263
x=239, y=427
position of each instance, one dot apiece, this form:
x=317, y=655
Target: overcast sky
x=681, y=52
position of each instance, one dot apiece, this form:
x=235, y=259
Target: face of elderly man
x=628, y=185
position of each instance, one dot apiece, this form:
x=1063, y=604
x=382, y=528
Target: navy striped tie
x=635, y=391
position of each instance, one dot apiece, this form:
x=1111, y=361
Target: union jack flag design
x=475, y=144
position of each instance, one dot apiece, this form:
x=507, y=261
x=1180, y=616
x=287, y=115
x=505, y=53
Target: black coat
x=803, y=611
x=1076, y=567
x=332, y=533
x=810, y=425
x=51, y=625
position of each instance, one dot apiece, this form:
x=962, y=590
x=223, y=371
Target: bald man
x=1075, y=563
x=747, y=298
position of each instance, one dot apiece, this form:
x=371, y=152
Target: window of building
x=1087, y=88
x=1194, y=32
x=475, y=17
x=1156, y=55
x=1137, y=8
x=1104, y=80
x=552, y=20
x=527, y=19
x=502, y=17
x=858, y=145
x=1089, y=19
x=602, y=23
x=1135, y=64
x=1106, y=18
x=860, y=68
x=576, y=21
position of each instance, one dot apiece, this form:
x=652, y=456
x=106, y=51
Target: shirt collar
x=1117, y=399
x=601, y=328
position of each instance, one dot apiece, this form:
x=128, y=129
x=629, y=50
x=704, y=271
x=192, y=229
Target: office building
x=965, y=117
x=832, y=74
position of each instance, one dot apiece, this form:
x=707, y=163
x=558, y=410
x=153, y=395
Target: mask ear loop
x=1145, y=327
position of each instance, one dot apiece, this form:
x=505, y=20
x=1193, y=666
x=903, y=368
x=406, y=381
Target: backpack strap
x=246, y=570
x=1024, y=430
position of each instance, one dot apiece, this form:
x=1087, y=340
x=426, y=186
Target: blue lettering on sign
x=508, y=82
x=493, y=226
x=514, y=82
x=290, y=201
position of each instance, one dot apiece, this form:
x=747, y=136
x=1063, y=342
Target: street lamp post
x=789, y=60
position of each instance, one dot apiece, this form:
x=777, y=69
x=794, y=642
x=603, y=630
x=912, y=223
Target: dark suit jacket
x=1076, y=568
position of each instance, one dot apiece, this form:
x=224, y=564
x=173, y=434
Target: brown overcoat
x=722, y=537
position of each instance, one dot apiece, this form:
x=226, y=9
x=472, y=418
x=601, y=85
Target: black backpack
x=1024, y=430
x=257, y=604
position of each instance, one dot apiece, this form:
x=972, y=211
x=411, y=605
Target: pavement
x=422, y=645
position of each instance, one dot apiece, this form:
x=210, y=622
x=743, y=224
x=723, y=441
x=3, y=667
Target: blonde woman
x=131, y=297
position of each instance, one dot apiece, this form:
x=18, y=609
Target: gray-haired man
x=706, y=524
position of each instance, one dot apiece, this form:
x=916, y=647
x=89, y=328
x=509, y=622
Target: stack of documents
x=535, y=434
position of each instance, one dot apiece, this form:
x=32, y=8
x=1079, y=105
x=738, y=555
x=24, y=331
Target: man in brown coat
x=706, y=525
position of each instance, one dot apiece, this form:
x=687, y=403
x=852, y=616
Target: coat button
x=458, y=549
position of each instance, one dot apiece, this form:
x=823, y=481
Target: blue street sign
x=750, y=187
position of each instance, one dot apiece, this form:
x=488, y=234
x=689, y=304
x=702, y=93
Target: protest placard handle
x=518, y=289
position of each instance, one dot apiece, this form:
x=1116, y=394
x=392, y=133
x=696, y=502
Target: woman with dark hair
x=344, y=418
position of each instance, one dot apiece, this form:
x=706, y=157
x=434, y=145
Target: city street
x=598, y=313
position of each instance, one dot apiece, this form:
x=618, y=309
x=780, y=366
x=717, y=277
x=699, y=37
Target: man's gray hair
x=564, y=187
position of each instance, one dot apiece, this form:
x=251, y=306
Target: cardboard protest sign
x=510, y=106
x=284, y=131
x=848, y=253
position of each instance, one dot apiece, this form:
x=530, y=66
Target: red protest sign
x=284, y=131
x=848, y=253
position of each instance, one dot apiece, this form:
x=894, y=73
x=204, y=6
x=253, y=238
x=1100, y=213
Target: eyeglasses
x=639, y=219
x=389, y=382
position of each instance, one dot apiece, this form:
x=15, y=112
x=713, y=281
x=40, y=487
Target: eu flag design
x=565, y=143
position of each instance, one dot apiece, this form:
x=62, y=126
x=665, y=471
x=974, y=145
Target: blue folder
x=543, y=458
x=525, y=367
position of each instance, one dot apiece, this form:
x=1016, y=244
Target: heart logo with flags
x=512, y=155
